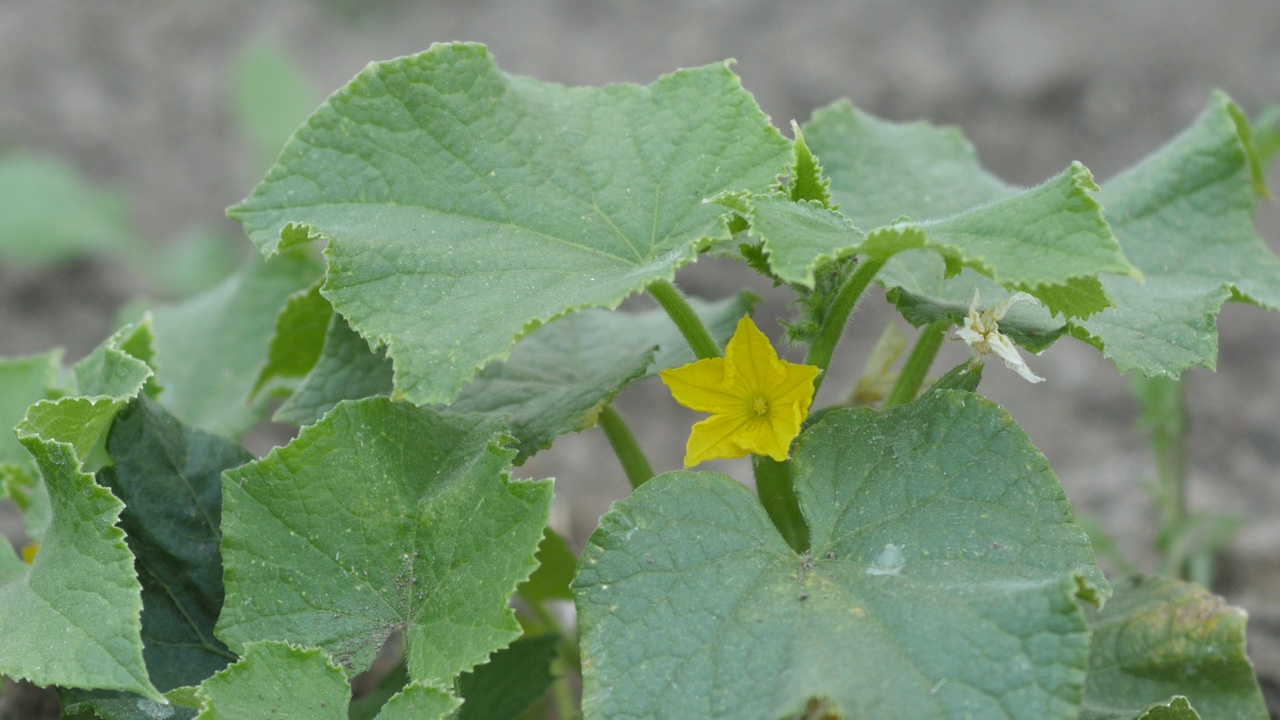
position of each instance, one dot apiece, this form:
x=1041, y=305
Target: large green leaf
x=556, y=380
x=1050, y=240
x=1159, y=638
x=381, y=517
x=210, y=348
x=1184, y=216
x=463, y=206
x=943, y=581
x=298, y=341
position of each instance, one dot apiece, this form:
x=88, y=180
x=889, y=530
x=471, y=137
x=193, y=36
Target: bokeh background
x=138, y=95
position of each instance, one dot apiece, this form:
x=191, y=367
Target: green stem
x=911, y=378
x=824, y=345
x=624, y=444
x=690, y=325
x=776, y=488
x=1164, y=416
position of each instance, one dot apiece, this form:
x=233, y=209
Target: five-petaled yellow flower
x=756, y=401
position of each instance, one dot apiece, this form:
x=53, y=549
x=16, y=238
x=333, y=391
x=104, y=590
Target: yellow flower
x=982, y=332
x=756, y=401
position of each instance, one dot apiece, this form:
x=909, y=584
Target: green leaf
x=104, y=382
x=270, y=96
x=919, y=288
x=463, y=207
x=278, y=681
x=419, y=701
x=71, y=618
x=555, y=382
x=512, y=679
x=381, y=517
x=881, y=171
x=49, y=213
x=210, y=348
x=943, y=581
x=299, y=338
x=805, y=180
x=1159, y=638
x=1184, y=216
x=556, y=564
x=346, y=370
x=1044, y=241
x=169, y=477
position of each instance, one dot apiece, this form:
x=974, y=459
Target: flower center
x=761, y=407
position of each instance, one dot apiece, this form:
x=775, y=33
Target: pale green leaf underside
x=1159, y=638
x=942, y=581
x=278, y=681
x=464, y=206
x=381, y=517
x=1183, y=218
x=211, y=348
x=23, y=381
x=556, y=380
x=1043, y=240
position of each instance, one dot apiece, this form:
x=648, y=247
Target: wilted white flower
x=982, y=333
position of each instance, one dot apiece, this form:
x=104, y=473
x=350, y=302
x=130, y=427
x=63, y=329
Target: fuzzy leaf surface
x=1159, y=638
x=381, y=517
x=464, y=206
x=943, y=581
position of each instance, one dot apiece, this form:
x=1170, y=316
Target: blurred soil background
x=135, y=94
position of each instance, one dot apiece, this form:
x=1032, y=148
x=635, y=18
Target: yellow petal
x=719, y=436
x=700, y=386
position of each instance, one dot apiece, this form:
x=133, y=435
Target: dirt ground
x=134, y=92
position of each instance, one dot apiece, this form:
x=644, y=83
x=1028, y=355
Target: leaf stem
x=911, y=378
x=690, y=325
x=624, y=445
x=776, y=489
x=1164, y=417
x=824, y=345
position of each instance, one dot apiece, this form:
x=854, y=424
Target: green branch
x=824, y=345
x=624, y=445
x=690, y=325
x=911, y=378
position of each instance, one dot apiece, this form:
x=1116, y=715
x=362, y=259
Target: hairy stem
x=824, y=345
x=690, y=325
x=911, y=378
x=624, y=445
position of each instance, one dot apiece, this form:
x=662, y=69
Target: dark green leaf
x=943, y=581
x=512, y=679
